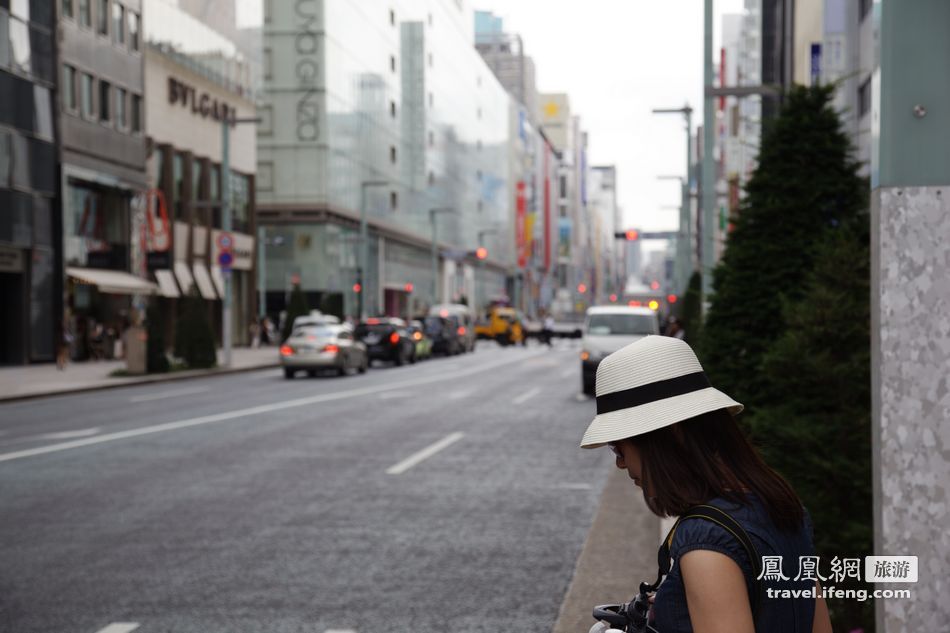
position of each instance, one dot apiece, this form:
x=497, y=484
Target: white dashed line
x=168, y=394
x=69, y=435
x=424, y=454
x=527, y=395
x=120, y=627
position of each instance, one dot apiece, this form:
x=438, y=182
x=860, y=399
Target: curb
x=134, y=382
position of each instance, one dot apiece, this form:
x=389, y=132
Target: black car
x=387, y=339
x=444, y=334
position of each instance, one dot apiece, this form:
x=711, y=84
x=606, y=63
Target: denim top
x=774, y=615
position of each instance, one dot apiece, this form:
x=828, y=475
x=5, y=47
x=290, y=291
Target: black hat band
x=645, y=394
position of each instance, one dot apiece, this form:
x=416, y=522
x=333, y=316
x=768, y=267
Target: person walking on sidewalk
x=677, y=438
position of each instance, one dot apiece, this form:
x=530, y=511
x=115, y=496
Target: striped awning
x=114, y=282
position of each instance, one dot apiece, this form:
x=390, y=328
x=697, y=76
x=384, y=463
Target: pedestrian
x=269, y=332
x=255, y=330
x=676, y=437
x=65, y=342
x=674, y=329
x=548, y=330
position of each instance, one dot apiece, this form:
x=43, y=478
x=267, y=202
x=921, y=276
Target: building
x=606, y=215
x=30, y=286
x=196, y=81
x=411, y=133
x=505, y=55
x=102, y=154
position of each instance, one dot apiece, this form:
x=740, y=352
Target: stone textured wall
x=911, y=397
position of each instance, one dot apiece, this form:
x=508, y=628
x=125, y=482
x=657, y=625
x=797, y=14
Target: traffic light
x=582, y=288
x=671, y=298
x=408, y=288
x=631, y=235
x=481, y=253
x=357, y=288
x=655, y=285
x=613, y=298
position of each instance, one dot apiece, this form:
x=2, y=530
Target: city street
x=447, y=495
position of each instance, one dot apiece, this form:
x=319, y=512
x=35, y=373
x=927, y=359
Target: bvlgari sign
x=201, y=103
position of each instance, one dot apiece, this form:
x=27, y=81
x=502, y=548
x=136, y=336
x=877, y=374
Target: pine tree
x=806, y=183
x=817, y=431
x=298, y=307
x=194, y=337
x=689, y=309
x=155, y=360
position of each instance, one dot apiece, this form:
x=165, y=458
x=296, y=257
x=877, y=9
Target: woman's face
x=628, y=458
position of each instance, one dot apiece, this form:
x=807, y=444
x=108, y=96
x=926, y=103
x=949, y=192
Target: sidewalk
x=32, y=381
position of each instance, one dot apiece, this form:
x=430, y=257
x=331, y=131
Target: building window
x=118, y=23
x=392, y=17
x=105, y=94
x=865, y=7
x=431, y=100
x=430, y=19
x=431, y=138
x=478, y=175
x=266, y=126
x=102, y=17
x=864, y=98
x=134, y=27
x=393, y=200
x=88, y=109
x=85, y=12
x=69, y=87
x=135, y=113
x=67, y=8
x=480, y=206
x=267, y=11
x=431, y=178
x=430, y=60
x=392, y=62
x=268, y=64
x=121, y=110
x=19, y=34
x=392, y=154
x=392, y=108
x=479, y=113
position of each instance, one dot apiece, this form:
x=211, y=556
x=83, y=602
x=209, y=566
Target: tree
x=817, y=431
x=156, y=362
x=194, y=338
x=298, y=307
x=806, y=184
x=689, y=310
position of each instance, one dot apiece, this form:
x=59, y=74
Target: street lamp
x=226, y=123
x=364, y=241
x=683, y=244
x=435, y=254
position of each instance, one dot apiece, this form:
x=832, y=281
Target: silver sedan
x=314, y=347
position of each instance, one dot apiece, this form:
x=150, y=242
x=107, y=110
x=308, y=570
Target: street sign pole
x=226, y=334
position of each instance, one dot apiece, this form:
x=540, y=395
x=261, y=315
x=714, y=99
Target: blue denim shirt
x=774, y=615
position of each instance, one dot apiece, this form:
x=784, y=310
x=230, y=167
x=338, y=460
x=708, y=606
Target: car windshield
x=620, y=324
x=434, y=325
x=315, y=330
x=380, y=329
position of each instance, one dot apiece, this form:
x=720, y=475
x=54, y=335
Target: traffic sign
x=225, y=259
x=225, y=241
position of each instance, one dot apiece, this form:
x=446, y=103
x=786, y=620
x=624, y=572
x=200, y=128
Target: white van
x=464, y=318
x=607, y=329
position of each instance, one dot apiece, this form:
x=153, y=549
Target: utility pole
x=708, y=207
x=684, y=242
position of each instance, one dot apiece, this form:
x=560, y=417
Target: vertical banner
x=548, y=229
x=521, y=207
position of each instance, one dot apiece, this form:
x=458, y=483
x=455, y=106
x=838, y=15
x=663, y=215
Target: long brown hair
x=705, y=457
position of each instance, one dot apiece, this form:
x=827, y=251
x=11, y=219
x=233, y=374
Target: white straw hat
x=647, y=385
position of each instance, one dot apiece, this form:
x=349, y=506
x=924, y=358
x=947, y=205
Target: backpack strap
x=725, y=521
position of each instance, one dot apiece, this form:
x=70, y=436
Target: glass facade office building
x=28, y=182
x=382, y=105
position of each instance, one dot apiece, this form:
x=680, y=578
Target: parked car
x=608, y=328
x=422, y=341
x=443, y=332
x=387, y=339
x=314, y=347
x=464, y=321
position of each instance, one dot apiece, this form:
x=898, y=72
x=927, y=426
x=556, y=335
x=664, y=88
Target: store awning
x=114, y=282
x=166, y=282
x=218, y=278
x=185, y=280
x=203, y=278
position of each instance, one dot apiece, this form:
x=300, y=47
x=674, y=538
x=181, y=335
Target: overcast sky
x=618, y=59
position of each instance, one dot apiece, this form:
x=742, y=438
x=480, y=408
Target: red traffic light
x=633, y=235
x=655, y=285
x=408, y=287
x=481, y=252
x=613, y=298
x=671, y=298
x=357, y=288
x=582, y=288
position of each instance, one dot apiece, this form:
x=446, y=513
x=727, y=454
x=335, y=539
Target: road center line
x=527, y=395
x=69, y=435
x=120, y=627
x=169, y=394
x=242, y=413
x=424, y=454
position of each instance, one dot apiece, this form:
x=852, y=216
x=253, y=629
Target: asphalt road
x=445, y=496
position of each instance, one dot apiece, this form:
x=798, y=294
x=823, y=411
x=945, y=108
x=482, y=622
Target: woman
x=677, y=439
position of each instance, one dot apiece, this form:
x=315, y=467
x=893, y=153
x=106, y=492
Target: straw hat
x=647, y=385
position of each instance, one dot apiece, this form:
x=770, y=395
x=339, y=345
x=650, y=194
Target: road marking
x=394, y=395
x=68, y=435
x=425, y=453
x=567, y=373
x=340, y=631
x=169, y=394
x=527, y=395
x=120, y=627
x=242, y=413
x=573, y=487
x=461, y=393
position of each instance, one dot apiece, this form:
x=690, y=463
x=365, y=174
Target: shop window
x=85, y=90
x=85, y=12
x=118, y=23
x=102, y=17
x=135, y=113
x=105, y=96
x=69, y=88
x=121, y=109
x=134, y=26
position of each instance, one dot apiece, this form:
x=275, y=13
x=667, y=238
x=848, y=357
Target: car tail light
x=286, y=350
x=331, y=349
x=461, y=331
x=394, y=338
x=372, y=321
x=417, y=336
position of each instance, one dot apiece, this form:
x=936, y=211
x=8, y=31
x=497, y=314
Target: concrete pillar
x=910, y=309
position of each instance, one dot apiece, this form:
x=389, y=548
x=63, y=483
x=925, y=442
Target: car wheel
x=413, y=359
x=341, y=370
x=289, y=373
x=364, y=366
x=399, y=359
